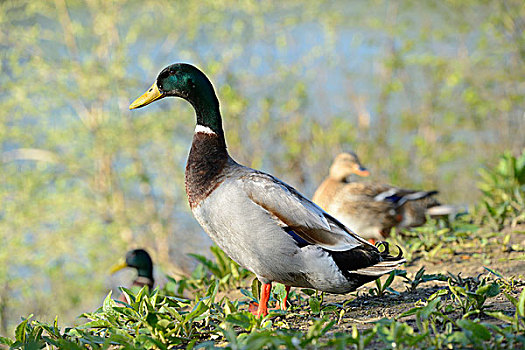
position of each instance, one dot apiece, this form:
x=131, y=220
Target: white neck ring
x=204, y=129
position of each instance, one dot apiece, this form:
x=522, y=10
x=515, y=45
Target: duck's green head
x=187, y=82
x=138, y=259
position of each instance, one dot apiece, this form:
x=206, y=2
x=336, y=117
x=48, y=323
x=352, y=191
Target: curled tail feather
x=388, y=264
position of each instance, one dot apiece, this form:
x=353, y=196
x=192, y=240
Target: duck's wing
x=400, y=196
x=293, y=210
x=383, y=193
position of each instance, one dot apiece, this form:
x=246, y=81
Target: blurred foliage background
x=424, y=91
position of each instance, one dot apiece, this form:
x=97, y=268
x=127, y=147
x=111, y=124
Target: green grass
x=455, y=316
x=503, y=188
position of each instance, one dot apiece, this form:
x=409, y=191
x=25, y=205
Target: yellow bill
x=121, y=265
x=149, y=96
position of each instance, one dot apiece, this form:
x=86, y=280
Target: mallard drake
x=368, y=208
x=261, y=222
x=140, y=260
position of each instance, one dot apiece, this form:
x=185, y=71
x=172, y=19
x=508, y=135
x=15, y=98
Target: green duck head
x=187, y=82
x=138, y=259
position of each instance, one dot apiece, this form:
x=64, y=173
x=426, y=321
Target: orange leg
x=283, y=306
x=263, y=302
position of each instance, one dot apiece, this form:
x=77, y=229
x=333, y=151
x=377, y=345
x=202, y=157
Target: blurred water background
x=425, y=92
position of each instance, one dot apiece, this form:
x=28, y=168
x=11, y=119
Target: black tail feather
x=385, y=254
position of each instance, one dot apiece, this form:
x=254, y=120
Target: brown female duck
x=368, y=208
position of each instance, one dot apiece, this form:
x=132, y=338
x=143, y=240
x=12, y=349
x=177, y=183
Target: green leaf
x=330, y=308
x=164, y=323
x=229, y=307
x=128, y=294
x=308, y=292
x=433, y=277
x=6, y=341
x=141, y=295
x=211, y=293
x=107, y=306
x=389, y=280
x=420, y=273
x=458, y=337
x=234, y=270
x=96, y=324
x=256, y=288
x=211, y=266
x=315, y=305
x=430, y=308
x=457, y=290
x=198, y=310
x=500, y=316
x=173, y=312
x=244, y=320
x=478, y=330
x=417, y=339
x=409, y=312
x=438, y=294
x=20, y=331
x=150, y=341
x=379, y=287
x=521, y=304
x=513, y=300
x=494, y=272
x=224, y=280
x=490, y=290
x=248, y=294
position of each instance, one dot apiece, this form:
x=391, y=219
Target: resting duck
x=262, y=223
x=368, y=208
x=140, y=260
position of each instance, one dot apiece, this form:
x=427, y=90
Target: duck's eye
x=150, y=89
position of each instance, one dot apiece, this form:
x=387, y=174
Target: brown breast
x=206, y=160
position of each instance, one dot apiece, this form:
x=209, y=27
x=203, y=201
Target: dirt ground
x=362, y=309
